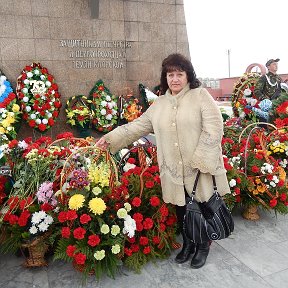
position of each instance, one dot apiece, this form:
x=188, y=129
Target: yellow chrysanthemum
x=2, y=130
x=76, y=201
x=15, y=108
x=97, y=206
x=99, y=174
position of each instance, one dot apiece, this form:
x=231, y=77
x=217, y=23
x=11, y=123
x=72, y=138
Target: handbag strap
x=196, y=183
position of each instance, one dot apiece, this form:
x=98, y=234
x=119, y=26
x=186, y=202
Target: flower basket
x=251, y=213
x=36, y=251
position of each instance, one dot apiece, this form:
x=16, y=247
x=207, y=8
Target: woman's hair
x=177, y=62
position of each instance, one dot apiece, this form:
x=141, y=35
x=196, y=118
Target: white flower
x=96, y=190
x=108, y=98
x=29, y=74
x=26, y=81
x=110, y=105
x=127, y=206
x=108, y=117
x=115, y=230
x=36, y=72
x=33, y=116
x=103, y=103
x=128, y=166
x=24, y=90
x=49, y=115
x=9, y=128
x=42, y=77
x=43, y=227
x=247, y=92
x=38, y=121
x=114, y=112
x=48, y=220
x=232, y=183
x=33, y=229
x=22, y=144
x=48, y=83
x=122, y=213
x=129, y=226
x=25, y=99
x=272, y=184
x=99, y=255
x=103, y=111
x=104, y=229
x=37, y=217
x=28, y=108
x=44, y=121
x=115, y=249
x=3, y=115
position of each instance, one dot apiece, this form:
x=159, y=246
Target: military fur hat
x=270, y=61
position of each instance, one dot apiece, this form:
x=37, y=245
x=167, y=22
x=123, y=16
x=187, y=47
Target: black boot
x=199, y=259
x=188, y=248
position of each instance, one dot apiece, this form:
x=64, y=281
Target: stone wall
x=78, y=50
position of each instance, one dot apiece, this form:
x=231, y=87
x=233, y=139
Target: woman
x=188, y=128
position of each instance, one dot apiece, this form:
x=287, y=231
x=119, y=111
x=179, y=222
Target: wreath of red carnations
x=39, y=97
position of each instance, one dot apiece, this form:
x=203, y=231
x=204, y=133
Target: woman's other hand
x=102, y=144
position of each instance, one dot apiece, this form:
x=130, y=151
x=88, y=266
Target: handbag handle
x=196, y=182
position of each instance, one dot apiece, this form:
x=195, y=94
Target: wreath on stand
x=9, y=111
x=79, y=114
x=104, y=106
x=39, y=97
x=243, y=95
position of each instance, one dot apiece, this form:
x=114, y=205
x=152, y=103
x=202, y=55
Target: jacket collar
x=179, y=95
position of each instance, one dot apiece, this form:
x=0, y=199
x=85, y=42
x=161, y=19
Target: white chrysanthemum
x=127, y=206
x=103, y=103
x=44, y=121
x=104, y=229
x=29, y=74
x=109, y=117
x=96, y=191
x=103, y=111
x=273, y=184
x=37, y=217
x=28, y=108
x=33, y=229
x=247, y=92
x=115, y=230
x=43, y=227
x=22, y=144
x=4, y=115
x=24, y=90
x=114, y=112
x=232, y=183
x=110, y=105
x=99, y=255
x=38, y=121
x=49, y=115
x=26, y=81
x=42, y=77
x=33, y=116
x=36, y=72
x=122, y=213
x=128, y=166
x=48, y=83
x=129, y=226
x=9, y=128
x=48, y=220
x=115, y=249
x=108, y=98
x=25, y=99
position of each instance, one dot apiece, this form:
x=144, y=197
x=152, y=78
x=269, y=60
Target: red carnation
x=139, y=226
x=143, y=240
x=281, y=183
x=149, y=184
x=283, y=197
x=128, y=252
x=255, y=169
x=162, y=227
x=85, y=218
x=147, y=223
x=13, y=219
x=136, y=202
x=42, y=127
x=156, y=240
x=71, y=215
x=46, y=207
x=269, y=177
x=23, y=219
x=32, y=123
x=57, y=104
x=80, y=258
x=65, y=232
x=93, y=240
x=131, y=160
x=70, y=250
x=164, y=211
x=135, y=248
x=13, y=143
x=273, y=203
x=237, y=191
x=51, y=122
x=147, y=250
x=154, y=201
x=62, y=217
x=55, y=114
x=138, y=217
x=79, y=233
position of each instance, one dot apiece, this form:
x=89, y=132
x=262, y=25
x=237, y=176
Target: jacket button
x=180, y=162
x=176, y=144
x=174, y=107
x=173, y=124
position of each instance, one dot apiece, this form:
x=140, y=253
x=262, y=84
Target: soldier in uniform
x=268, y=85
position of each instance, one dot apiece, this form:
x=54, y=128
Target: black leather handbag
x=209, y=220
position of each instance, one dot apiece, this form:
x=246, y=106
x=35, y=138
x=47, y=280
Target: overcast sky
x=253, y=30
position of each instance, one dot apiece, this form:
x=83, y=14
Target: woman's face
x=176, y=81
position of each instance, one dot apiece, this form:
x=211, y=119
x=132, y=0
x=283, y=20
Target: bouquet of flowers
x=38, y=94
x=29, y=217
x=155, y=221
x=104, y=106
x=94, y=216
x=9, y=111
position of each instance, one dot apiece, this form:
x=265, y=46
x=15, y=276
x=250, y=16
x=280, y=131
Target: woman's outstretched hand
x=102, y=144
